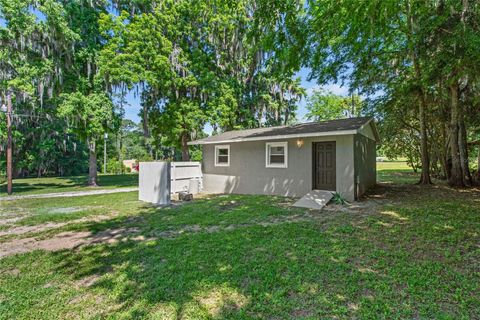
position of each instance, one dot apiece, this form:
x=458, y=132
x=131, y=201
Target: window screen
x=276, y=154
x=222, y=155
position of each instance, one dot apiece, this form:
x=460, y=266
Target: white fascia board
x=279, y=137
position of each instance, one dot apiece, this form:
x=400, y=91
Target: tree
x=379, y=43
x=424, y=50
x=197, y=62
x=91, y=116
x=35, y=43
x=325, y=105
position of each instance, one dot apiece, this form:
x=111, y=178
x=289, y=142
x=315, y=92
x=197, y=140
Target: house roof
x=310, y=129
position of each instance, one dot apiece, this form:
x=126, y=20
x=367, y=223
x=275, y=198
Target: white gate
x=182, y=173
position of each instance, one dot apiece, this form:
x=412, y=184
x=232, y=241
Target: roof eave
x=278, y=137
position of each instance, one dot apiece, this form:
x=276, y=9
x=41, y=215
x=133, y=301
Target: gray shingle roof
x=302, y=129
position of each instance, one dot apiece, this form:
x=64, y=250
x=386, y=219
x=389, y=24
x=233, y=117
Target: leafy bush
x=115, y=166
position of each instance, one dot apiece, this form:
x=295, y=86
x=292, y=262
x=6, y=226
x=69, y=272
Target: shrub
x=338, y=199
x=115, y=166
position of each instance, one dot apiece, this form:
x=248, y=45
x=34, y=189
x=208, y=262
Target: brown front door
x=324, y=166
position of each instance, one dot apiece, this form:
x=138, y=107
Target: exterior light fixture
x=300, y=143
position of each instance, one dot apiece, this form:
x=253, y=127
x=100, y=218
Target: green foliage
x=324, y=105
x=224, y=73
x=196, y=153
x=230, y=65
x=339, y=199
x=408, y=56
x=226, y=63
x=91, y=114
x=114, y=166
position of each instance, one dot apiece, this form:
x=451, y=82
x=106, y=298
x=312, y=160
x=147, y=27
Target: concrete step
x=315, y=199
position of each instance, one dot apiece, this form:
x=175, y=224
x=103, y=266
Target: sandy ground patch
x=50, y=225
x=10, y=221
x=65, y=240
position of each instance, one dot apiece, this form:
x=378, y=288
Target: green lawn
x=405, y=252
x=396, y=172
x=67, y=184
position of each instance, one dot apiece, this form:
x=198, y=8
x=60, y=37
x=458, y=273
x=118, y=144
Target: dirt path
x=68, y=194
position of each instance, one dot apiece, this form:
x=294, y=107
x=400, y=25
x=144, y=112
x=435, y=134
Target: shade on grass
x=401, y=262
x=410, y=253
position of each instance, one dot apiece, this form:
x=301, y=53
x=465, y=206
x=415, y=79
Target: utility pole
x=9, y=142
x=105, y=137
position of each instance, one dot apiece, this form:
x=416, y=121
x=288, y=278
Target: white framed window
x=276, y=154
x=222, y=156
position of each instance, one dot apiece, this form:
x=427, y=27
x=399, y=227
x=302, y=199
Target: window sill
x=282, y=166
x=222, y=165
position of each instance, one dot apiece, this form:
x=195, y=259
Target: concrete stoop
x=315, y=199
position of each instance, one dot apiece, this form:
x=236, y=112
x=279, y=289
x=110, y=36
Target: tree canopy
x=325, y=105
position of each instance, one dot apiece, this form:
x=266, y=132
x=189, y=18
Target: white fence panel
x=182, y=172
x=154, y=186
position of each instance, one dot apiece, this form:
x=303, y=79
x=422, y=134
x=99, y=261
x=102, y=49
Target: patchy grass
x=405, y=252
x=67, y=184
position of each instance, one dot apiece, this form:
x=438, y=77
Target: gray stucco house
x=336, y=155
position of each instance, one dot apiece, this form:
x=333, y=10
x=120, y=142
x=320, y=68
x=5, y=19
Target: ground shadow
x=348, y=267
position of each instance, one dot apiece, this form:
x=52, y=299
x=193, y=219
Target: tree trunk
x=478, y=165
x=425, y=177
x=185, y=151
x=287, y=115
x=119, y=151
x=446, y=151
x=462, y=146
x=146, y=131
x=92, y=163
x=456, y=174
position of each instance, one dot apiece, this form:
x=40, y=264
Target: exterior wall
x=367, y=131
x=247, y=173
x=132, y=164
x=365, y=164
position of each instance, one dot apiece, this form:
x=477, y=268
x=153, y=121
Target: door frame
x=314, y=160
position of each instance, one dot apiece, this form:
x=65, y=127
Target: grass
x=408, y=252
x=68, y=184
x=396, y=172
